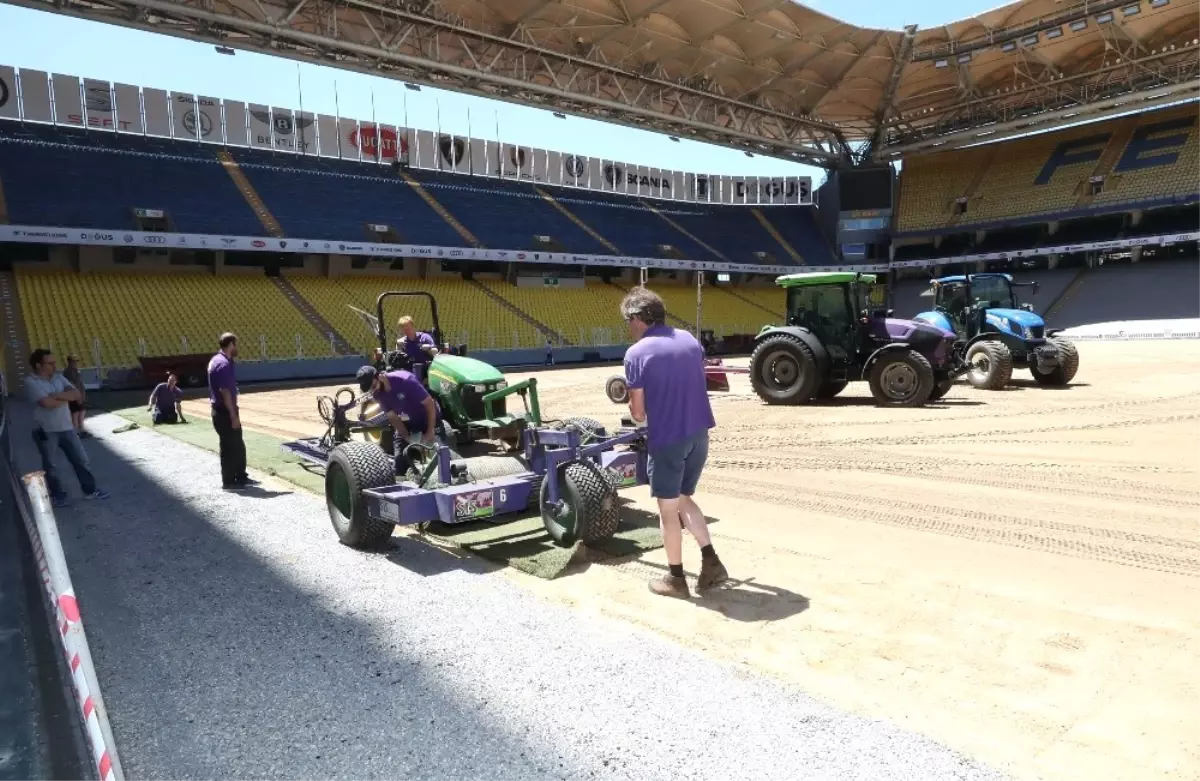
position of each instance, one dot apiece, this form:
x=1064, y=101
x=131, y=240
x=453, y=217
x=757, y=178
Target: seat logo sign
x=453, y=149
x=5, y=93
x=614, y=175
x=574, y=166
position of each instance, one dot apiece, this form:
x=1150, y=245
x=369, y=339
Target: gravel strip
x=234, y=637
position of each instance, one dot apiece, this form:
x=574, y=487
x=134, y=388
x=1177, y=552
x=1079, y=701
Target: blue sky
x=53, y=43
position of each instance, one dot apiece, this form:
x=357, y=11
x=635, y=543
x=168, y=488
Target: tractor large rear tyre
x=783, y=370
x=354, y=467
x=831, y=388
x=991, y=365
x=589, y=512
x=1068, y=364
x=941, y=389
x=901, y=378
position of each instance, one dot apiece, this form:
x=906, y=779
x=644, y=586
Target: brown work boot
x=670, y=586
x=711, y=574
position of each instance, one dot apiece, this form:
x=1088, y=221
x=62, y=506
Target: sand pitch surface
x=1014, y=573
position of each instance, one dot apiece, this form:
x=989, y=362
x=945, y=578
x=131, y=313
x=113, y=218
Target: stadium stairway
x=750, y=301
x=253, y=200
x=550, y=199
x=338, y=342
x=779, y=239
x=1067, y=293
x=1108, y=158
x=977, y=178
x=549, y=332
x=16, y=338
x=442, y=212
x=685, y=231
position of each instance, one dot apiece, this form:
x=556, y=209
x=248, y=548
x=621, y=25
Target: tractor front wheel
x=901, y=378
x=354, y=467
x=991, y=365
x=783, y=370
x=617, y=389
x=587, y=510
x=1064, y=371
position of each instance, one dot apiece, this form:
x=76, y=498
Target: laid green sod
x=521, y=543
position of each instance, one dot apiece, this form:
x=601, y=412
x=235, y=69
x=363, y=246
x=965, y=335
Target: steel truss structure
x=422, y=46
x=769, y=77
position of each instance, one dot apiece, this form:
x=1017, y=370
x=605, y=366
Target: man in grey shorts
x=664, y=370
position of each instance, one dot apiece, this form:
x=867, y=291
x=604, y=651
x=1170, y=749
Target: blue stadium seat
x=67, y=177
x=94, y=180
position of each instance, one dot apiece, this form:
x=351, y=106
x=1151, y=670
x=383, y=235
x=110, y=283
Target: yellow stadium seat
x=110, y=319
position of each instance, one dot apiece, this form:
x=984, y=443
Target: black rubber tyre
x=992, y=365
x=589, y=428
x=783, y=370
x=831, y=388
x=1068, y=364
x=617, y=389
x=352, y=468
x=590, y=512
x=940, y=390
x=901, y=378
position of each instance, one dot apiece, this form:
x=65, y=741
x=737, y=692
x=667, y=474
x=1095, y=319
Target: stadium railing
x=32, y=500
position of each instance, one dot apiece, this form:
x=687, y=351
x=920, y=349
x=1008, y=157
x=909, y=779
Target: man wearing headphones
x=400, y=392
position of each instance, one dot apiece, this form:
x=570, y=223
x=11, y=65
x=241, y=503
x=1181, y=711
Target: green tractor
x=473, y=395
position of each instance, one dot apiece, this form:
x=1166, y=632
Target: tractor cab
x=978, y=303
x=471, y=394
x=846, y=310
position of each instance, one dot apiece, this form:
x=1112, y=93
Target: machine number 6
x=503, y=496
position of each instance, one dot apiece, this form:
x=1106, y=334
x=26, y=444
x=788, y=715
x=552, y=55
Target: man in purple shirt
x=664, y=370
x=417, y=345
x=165, y=402
x=222, y=395
x=401, y=393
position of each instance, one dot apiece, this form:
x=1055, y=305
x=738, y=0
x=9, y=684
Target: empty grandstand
x=167, y=225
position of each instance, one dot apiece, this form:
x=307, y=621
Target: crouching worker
x=166, y=402
x=664, y=369
x=401, y=393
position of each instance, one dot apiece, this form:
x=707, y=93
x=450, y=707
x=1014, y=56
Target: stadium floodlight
x=1130, y=10
x=225, y=50
x=560, y=115
x=674, y=138
x=413, y=87
x=1079, y=24
x=1104, y=18
x=1158, y=3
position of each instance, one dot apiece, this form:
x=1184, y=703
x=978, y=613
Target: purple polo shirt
x=406, y=396
x=668, y=365
x=165, y=397
x=412, y=347
x=221, y=375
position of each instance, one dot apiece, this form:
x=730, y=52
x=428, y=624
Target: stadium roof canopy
x=767, y=76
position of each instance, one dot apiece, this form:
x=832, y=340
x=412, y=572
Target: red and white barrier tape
x=52, y=566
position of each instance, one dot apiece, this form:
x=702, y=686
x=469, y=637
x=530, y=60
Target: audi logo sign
x=155, y=239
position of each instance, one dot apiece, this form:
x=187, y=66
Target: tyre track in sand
x=1029, y=534
x=992, y=413
x=988, y=475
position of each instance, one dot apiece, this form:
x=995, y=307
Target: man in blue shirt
x=226, y=419
x=417, y=345
x=53, y=428
x=664, y=370
x=166, y=402
x=401, y=393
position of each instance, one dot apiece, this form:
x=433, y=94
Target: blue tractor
x=997, y=333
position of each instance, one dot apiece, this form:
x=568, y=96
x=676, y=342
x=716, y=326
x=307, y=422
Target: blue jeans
x=68, y=442
x=675, y=469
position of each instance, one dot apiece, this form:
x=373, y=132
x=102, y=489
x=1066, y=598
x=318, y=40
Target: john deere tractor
x=472, y=395
x=839, y=330
x=996, y=333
